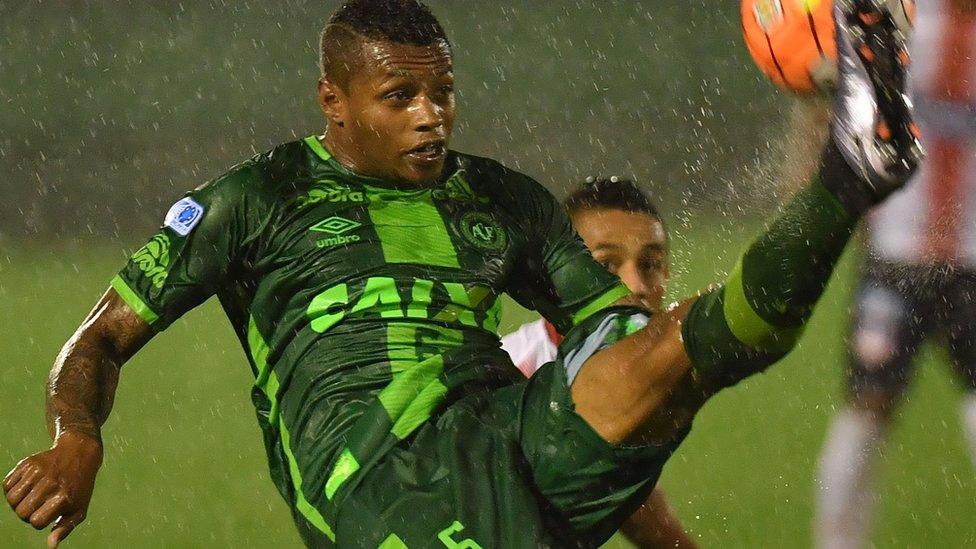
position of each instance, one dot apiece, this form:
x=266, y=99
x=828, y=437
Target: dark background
x=109, y=111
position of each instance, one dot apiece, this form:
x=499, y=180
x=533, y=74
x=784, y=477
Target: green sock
x=757, y=316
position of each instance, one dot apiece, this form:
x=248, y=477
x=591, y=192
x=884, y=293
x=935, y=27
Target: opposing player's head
x=387, y=89
x=623, y=230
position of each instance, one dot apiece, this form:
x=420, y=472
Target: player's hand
x=55, y=486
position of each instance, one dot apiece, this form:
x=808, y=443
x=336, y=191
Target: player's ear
x=331, y=101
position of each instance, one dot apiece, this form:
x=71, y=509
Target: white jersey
x=933, y=219
x=532, y=345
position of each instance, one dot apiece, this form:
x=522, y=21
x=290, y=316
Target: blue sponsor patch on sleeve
x=183, y=216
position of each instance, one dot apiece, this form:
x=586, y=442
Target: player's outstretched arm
x=181, y=266
x=55, y=486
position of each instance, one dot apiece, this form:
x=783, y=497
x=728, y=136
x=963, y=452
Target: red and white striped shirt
x=934, y=218
x=532, y=345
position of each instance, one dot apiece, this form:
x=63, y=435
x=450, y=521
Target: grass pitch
x=184, y=465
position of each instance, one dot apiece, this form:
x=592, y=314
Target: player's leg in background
x=654, y=525
x=886, y=332
x=960, y=328
x=968, y=410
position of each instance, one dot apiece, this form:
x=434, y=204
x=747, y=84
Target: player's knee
x=874, y=404
x=876, y=348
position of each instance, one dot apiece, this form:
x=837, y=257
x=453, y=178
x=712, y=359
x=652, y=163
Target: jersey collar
x=313, y=143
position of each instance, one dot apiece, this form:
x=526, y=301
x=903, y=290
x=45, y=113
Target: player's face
x=631, y=245
x=399, y=111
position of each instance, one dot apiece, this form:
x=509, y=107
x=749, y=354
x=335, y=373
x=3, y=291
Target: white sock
x=845, y=491
x=969, y=423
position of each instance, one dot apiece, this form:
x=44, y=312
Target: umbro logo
x=337, y=227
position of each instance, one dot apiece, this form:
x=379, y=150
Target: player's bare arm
x=55, y=486
x=307, y=329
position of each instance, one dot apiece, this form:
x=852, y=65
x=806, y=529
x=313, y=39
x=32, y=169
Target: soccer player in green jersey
x=362, y=270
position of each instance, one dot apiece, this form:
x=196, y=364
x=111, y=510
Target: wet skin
x=393, y=118
x=399, y=99
x=633, y=246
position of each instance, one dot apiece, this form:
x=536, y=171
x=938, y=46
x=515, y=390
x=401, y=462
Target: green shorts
x=513, y=467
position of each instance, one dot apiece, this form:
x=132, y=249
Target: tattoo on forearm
x=81, y=387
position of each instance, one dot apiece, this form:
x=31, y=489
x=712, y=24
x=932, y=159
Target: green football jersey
x=365, y=309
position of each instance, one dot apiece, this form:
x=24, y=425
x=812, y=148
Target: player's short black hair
x=615, y=193
x=398, y=21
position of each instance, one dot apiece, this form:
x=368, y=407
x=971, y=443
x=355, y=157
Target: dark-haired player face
x=631, y=245
x=399, y=111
